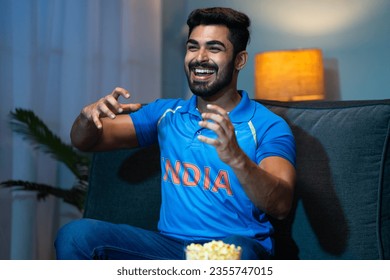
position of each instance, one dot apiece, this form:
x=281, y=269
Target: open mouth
x=202, y=74
x=203, y=71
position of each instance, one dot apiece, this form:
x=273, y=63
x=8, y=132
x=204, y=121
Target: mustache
x=196, y=64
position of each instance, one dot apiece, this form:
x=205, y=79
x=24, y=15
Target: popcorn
x=214, y=250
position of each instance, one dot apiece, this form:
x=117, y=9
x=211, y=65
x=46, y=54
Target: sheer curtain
x=55, y=57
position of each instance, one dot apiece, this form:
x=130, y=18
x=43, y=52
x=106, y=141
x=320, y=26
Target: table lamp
x=289, y=75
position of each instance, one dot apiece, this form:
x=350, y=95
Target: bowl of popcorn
x=214, y=250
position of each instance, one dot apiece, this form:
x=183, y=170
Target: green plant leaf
x=75, y=195
x=32, y=128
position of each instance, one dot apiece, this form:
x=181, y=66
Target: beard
x=210, y=88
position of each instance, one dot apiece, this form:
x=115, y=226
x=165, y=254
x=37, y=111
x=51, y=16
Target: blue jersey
x=201, y=196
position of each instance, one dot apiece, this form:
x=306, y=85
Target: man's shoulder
x=263, y=112
x=161, y=105
x=168, y=102
x=266, y=119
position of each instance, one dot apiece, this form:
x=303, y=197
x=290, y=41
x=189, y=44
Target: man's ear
x=241, y=59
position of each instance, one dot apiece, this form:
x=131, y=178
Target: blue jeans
x=94, y=239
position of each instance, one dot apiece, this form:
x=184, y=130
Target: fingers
x=112, y=99
x=207, y=140
x=97, y=121
x=118, y=91
x=109, y=106
x=217, y=109
x=222, y=137
x=218, y=121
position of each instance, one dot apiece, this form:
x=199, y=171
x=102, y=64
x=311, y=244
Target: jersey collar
x=243, y=112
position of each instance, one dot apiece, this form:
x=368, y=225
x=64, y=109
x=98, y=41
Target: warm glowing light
x=289, y=75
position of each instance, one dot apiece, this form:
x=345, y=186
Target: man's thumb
x=131, y=107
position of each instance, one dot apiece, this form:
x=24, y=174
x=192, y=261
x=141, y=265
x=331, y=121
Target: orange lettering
x=222, y=182
x=174, y=172
x=192, y=175
x=206, y=184
x=186, y=176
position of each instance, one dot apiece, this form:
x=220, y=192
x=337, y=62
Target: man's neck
x=226, y=100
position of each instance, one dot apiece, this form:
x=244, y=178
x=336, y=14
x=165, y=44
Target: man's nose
x=202, y=55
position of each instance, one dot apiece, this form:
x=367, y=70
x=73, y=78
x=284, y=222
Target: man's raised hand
x=109, y=106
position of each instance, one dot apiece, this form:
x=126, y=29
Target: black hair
x=238, y=24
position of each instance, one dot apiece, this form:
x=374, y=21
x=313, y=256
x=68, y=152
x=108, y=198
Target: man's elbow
x=281, y=207
x=80, y=143
x=282, y=213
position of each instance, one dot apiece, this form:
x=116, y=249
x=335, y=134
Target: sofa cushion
x=343, y=184
x=124, y=187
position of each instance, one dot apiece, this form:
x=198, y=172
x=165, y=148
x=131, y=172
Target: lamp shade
x=289, y=75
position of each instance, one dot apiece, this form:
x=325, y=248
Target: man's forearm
x=269, y=193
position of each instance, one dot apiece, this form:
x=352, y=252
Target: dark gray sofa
x=342, y=200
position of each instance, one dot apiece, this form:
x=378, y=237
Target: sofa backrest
x=342, y=202
x=343, y=180
x=124, y=187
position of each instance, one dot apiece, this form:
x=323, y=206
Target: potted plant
x=33, y=129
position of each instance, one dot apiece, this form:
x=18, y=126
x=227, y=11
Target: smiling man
x=205, y=57
x=227, y=162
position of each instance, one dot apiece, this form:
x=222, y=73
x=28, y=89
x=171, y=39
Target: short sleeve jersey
x=202, y=198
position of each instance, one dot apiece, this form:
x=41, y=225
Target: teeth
x=204, y=71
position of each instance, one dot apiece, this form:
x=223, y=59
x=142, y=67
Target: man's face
x=209, y=63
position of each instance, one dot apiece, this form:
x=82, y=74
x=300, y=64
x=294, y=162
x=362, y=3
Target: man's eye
x=215, y=49
x=191, y=48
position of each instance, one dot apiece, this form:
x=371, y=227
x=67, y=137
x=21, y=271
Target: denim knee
x=72, y=240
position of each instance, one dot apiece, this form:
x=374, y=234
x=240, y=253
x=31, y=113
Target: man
x=227, y=161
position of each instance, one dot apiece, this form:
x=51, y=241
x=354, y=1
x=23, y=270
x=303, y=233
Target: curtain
x=57, y=56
